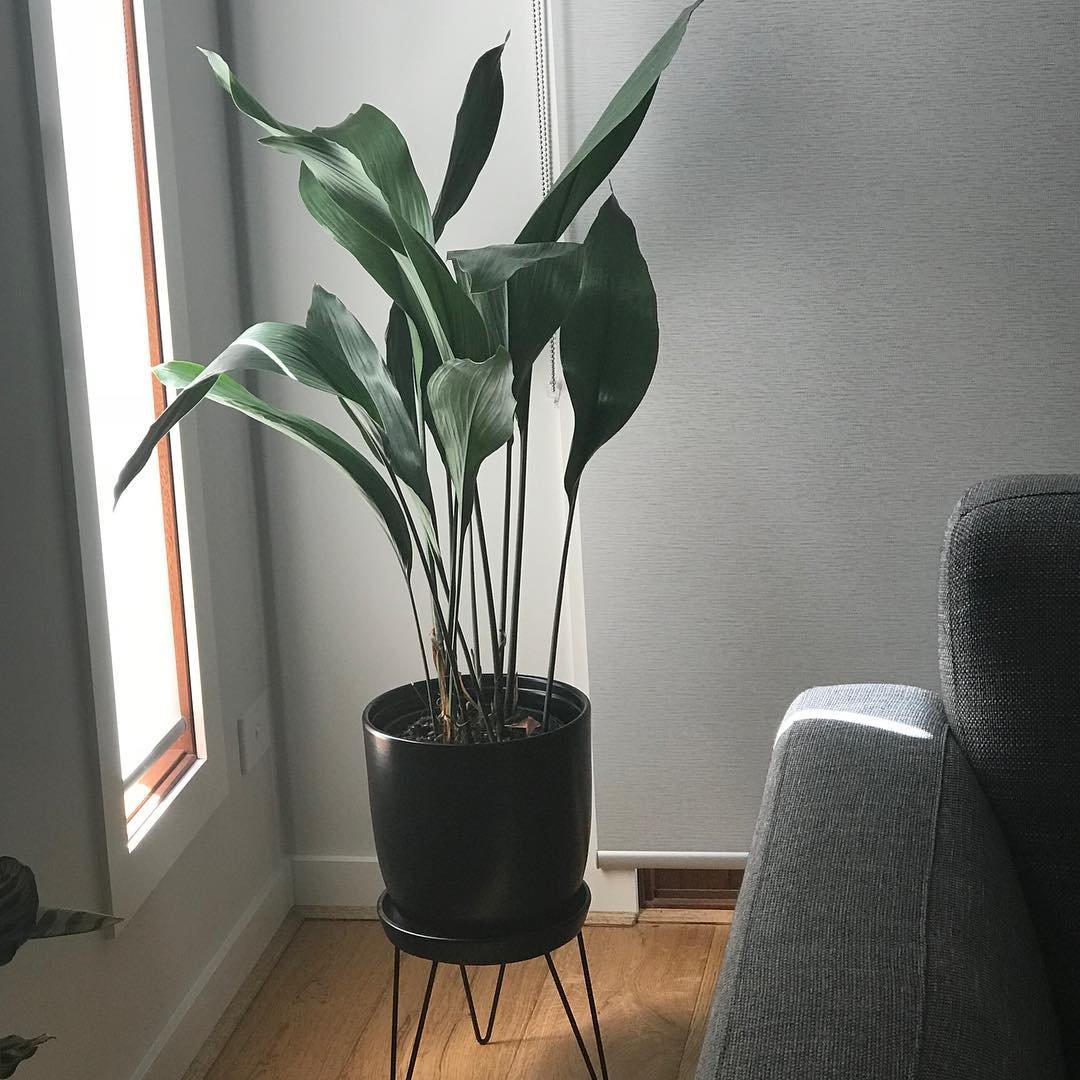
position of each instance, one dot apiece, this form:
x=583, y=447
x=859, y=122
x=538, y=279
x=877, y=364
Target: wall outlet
x=255, y=731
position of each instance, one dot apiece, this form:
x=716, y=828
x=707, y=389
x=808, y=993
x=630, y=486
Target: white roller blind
x=862, y=220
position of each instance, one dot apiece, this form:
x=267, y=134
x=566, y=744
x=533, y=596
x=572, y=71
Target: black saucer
x=509, y=947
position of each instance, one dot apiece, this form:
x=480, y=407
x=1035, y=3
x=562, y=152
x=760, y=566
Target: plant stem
x=507, y=499
x=558, y=608
x=496, y=645
x=423, y=648
x=515, y=601
x=472, y=598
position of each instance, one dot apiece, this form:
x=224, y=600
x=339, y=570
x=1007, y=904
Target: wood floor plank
x=696, y=1035
x=324, y=1011
x=646, y=981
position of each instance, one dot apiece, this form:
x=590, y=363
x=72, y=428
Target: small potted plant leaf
x=22, y=920
x=479, y=775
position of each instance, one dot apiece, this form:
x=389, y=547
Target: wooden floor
x=324, y=1011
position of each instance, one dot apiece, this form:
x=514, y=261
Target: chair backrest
x=1010, y=672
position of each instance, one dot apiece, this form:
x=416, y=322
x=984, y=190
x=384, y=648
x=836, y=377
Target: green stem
x=515, y=600
x=558, y=609
x=496, y=648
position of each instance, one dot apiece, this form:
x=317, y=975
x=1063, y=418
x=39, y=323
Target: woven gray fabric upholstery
x=880, y=932
x=1010, y=659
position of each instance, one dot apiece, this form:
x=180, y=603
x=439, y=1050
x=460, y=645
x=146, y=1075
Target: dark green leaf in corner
x=14, y=1050
x=474, y=133
x=608, y=140
x=18, y=906
x=61, y=922
x=311, y=434
x=610, y=337
x=490, y=267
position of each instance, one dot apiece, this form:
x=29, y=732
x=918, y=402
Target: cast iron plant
x=451, y=385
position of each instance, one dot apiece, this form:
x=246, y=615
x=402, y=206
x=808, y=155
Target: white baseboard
x=354, y=881
x=343, y=881
x=194, y=1019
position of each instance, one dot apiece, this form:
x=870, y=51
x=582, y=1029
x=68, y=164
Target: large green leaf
x=382, y=150
x=607, y=141
x=330, y=319
x=309, y=433
x=474, y=133
x=405, y=359
x=243, y=99
x=490, y=267
x=610, y=337
x=472, y=407
x=450, y=305
x=281, y=348
x=538, y=298
x=341, y=172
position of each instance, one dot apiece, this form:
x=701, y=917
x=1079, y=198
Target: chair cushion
x=1010, y=666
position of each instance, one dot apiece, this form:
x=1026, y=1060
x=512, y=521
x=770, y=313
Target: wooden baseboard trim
x=330, y=911
x=715, y=916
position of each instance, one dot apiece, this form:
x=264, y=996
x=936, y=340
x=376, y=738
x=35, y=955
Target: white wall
x=159, y=986
x=344, y=632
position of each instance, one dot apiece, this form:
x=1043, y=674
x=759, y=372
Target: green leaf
x=382, y=150
x=18, y=906
x=309, y=433
x=405, y=359
x=62, y=922
x=243, y=98
x=281, y=348
x=608, y=140
x=538, y=298
x=334, y=323
x=472, y=406
x=341, y=172
x=450, y=306
x=490, y=267
x=14, y=1050
x=610, y=338
x=474, y=133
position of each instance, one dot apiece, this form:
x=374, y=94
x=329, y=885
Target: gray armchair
x=911, y=906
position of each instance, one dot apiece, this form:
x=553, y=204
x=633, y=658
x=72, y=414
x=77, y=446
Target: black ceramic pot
x=477, y=839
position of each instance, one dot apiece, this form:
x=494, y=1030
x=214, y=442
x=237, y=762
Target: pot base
x=523, y=943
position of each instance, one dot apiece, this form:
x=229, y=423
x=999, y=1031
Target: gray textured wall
x=862, y=220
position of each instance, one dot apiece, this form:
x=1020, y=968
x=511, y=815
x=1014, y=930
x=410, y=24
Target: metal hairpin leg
x=592, y=1011
x=419, y=1024
x=484, y=1039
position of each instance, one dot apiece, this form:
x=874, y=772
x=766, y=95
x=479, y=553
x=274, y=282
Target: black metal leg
x=419, y=1024
x=484, y=1039
x=592, y=1005
x=573, y=1023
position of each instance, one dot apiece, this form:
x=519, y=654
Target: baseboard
x=205, y=1003
x=348, y=887
x=336, y=881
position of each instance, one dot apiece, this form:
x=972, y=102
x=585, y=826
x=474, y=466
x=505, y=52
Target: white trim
x=202, y=1006
x=135, y=866
x=336, y=880
x=673, y=860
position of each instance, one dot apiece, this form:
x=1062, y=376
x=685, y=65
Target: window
x=108, y=162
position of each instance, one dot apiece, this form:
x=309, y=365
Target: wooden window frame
x=167, y=765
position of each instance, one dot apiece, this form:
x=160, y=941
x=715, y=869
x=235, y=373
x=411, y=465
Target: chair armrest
x=880, y=932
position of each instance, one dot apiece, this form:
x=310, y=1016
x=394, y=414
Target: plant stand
x=512, y=948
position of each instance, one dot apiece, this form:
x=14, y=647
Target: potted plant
x=479, y=776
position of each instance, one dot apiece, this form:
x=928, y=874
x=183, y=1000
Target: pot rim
x=565, y=691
